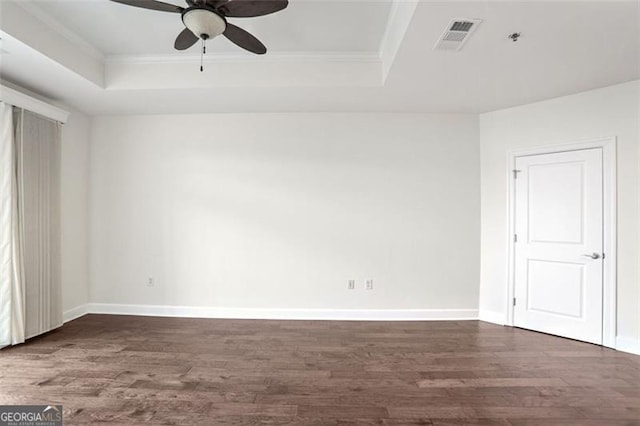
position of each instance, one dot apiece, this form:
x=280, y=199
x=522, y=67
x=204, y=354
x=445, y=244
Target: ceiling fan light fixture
x=205, y=19
x=204, y=23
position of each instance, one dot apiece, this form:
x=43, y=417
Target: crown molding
x=274, y=57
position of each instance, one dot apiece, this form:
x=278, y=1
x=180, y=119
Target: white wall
x=612, y=111
x=280, y=210
x=74, y=182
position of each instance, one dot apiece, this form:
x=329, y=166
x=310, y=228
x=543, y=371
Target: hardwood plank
x=144, y=370
x=342, y=411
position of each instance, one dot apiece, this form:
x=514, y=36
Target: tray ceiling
x=328, y=56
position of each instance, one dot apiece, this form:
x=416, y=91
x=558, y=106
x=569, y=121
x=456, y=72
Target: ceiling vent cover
x=456, y=34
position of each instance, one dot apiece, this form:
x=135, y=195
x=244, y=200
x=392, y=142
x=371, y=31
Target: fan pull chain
x=204, y=50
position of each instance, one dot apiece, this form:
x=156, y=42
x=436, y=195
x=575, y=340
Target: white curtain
x=30, y=288
x=11, y=271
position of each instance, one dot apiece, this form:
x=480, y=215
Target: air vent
x=457, y=33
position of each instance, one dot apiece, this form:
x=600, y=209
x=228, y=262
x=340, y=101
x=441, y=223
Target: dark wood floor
x=132, y=370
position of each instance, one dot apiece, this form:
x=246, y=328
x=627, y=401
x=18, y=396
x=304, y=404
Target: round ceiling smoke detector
x=204, y=23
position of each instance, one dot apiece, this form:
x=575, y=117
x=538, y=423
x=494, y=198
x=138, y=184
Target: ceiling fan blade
x=251, y=8
x=152, y=4
x=245, y=40
x=185, y=40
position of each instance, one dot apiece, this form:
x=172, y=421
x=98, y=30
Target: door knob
x=593, y=256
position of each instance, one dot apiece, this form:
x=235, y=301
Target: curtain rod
x=19, y=99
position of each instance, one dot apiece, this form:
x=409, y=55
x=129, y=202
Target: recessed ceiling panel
x=305, y=26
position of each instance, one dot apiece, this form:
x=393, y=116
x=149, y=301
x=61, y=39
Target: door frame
x=609, y=294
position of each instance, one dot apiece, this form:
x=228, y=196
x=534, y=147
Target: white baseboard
x=285, y=314
x=492, y=316
x=628, y=344
x=624, y=344
x=74, y=313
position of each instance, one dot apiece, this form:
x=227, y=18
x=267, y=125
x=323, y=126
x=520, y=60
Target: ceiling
x=335, y=56
x=305, y=26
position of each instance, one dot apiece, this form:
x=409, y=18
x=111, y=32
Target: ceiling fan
x=206, y=19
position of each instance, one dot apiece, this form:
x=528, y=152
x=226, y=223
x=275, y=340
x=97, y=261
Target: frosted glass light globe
x=204, y=23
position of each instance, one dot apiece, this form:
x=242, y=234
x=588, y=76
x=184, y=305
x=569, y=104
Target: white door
x=559, y=240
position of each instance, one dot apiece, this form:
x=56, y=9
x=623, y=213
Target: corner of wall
x=74, y=313
x=492, y=317
x=74, y=182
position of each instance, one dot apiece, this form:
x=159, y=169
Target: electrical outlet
x=151, y=282
x=351, y=285
x=369, y=285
